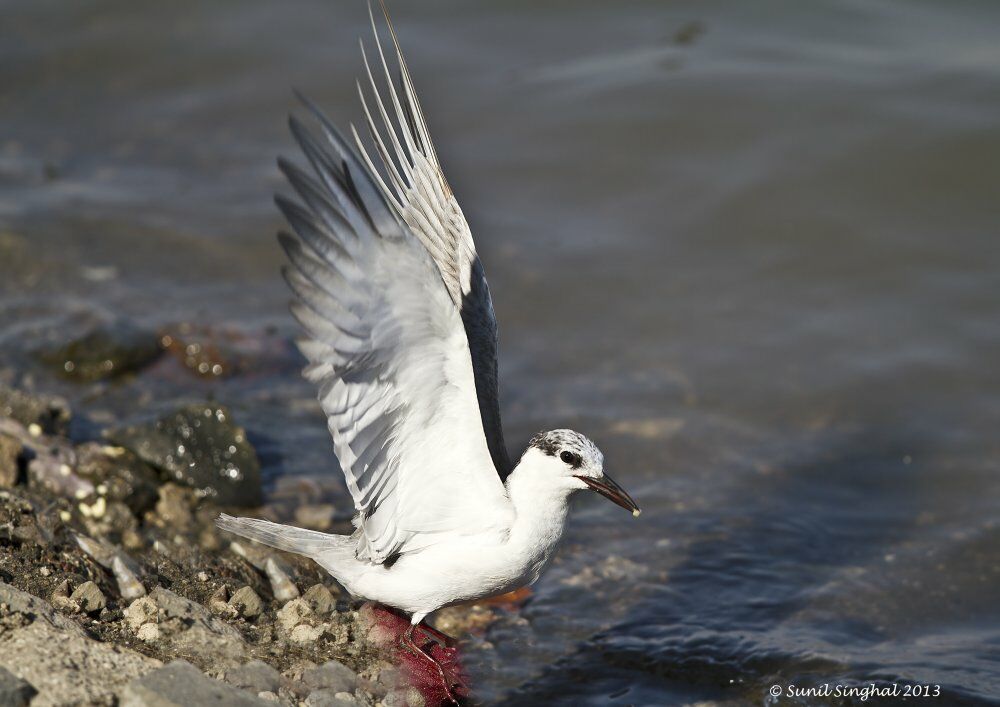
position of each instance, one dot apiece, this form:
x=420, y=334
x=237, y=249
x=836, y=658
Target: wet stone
x=200, y=447
x=15, y=692
x=105, y=351
x=181, y=684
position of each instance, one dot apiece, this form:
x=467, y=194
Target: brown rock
x=11, y=451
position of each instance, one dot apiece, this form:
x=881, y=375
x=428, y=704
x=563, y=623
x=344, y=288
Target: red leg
x=407, y=640
x=442, y=639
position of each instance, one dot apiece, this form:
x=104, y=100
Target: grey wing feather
x=388, y=350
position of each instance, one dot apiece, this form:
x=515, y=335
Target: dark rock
x=333, y=676
x=200, y=447
x=15, y=692
x=105, y=351
x=181, y=684
x=12, y=461
x=119, y=475
x=50, y=413
x=255, y=676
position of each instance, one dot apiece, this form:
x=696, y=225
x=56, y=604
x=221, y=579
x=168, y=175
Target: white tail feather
x=283, y=537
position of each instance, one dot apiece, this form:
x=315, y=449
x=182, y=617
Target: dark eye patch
x=572, y=459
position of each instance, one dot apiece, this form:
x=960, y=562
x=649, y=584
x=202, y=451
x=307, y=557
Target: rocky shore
x=117, y=589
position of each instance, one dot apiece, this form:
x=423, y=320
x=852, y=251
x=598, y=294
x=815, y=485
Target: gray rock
x=333, y=676
x=183, y=685
x=246, y=603
x=200, y=447
x=50, y=413
x=52, y=653
x=277, y=571
x=331, y=698
x=119, y=563
x=18, y=602
x=256, y=676
x=89, y=597
x=106, y=351
x=191, y=629
x=15, y=692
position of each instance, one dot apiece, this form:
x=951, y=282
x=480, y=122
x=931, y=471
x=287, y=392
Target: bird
x=400, y=337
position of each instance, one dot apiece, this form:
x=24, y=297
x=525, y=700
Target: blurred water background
x=751, y=248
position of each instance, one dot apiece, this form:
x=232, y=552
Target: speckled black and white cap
x=554, y=442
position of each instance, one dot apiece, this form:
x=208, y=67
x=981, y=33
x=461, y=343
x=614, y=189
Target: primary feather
x=400, y=332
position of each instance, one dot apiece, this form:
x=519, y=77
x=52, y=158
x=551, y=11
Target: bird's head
x=570, y=461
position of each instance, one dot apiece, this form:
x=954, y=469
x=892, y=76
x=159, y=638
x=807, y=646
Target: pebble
x=129, y=585
x=304, y=633
x=89, y=597
x=60, y=597
x=141, y=611
x=292, y=614
x=408, y=697
x=123, y=567
x=281, y=584
x=256, y=676
x=246, y=603
x=148, y=633
x=333, y=676
x=331, y=698
x=319, y=598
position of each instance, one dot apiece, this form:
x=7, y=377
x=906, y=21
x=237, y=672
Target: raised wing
x=416, y=188
x=388, y=348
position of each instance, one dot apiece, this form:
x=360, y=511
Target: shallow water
x=750, y=249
